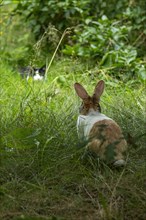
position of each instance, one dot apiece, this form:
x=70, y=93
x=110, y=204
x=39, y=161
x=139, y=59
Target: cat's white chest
x=85, y=123
x=37, y=77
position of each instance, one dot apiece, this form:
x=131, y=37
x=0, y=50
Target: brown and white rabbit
x=102, y=133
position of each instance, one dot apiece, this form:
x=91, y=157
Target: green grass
x=44, y=173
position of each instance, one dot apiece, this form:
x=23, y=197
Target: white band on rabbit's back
x=85, y=123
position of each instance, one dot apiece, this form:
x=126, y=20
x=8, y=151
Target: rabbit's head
x=89, y=103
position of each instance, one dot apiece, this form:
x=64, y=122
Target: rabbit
x=103, y=134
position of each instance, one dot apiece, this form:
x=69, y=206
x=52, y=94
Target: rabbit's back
x=106, y=136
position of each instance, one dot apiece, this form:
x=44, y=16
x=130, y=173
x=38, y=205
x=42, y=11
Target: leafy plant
x=95, y=38
x=106, y=41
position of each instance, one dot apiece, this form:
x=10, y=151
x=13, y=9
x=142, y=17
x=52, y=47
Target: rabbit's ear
x=81, y=92
x=99, y=89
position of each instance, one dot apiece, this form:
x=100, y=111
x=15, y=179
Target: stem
x=49, y=65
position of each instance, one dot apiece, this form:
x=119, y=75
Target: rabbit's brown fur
x=105, y=133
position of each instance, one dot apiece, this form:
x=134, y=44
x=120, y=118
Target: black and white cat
x=34, y=72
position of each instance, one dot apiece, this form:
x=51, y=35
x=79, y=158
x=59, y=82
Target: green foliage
x=63, y=14
x=71, y=13
x=50, y=17
x=16, y=41
x=111, y=34
x=95, y=38
x=136, y=16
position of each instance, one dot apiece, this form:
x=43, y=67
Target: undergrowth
x=44, y=172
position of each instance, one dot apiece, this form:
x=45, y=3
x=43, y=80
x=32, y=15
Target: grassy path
x=43, y=174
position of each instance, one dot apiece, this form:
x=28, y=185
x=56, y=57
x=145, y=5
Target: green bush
x=95, y=38
x=111, y=34
x=63, y=14
x=71, y=13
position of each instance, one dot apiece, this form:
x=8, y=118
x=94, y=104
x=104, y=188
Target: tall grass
x=44, y=171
